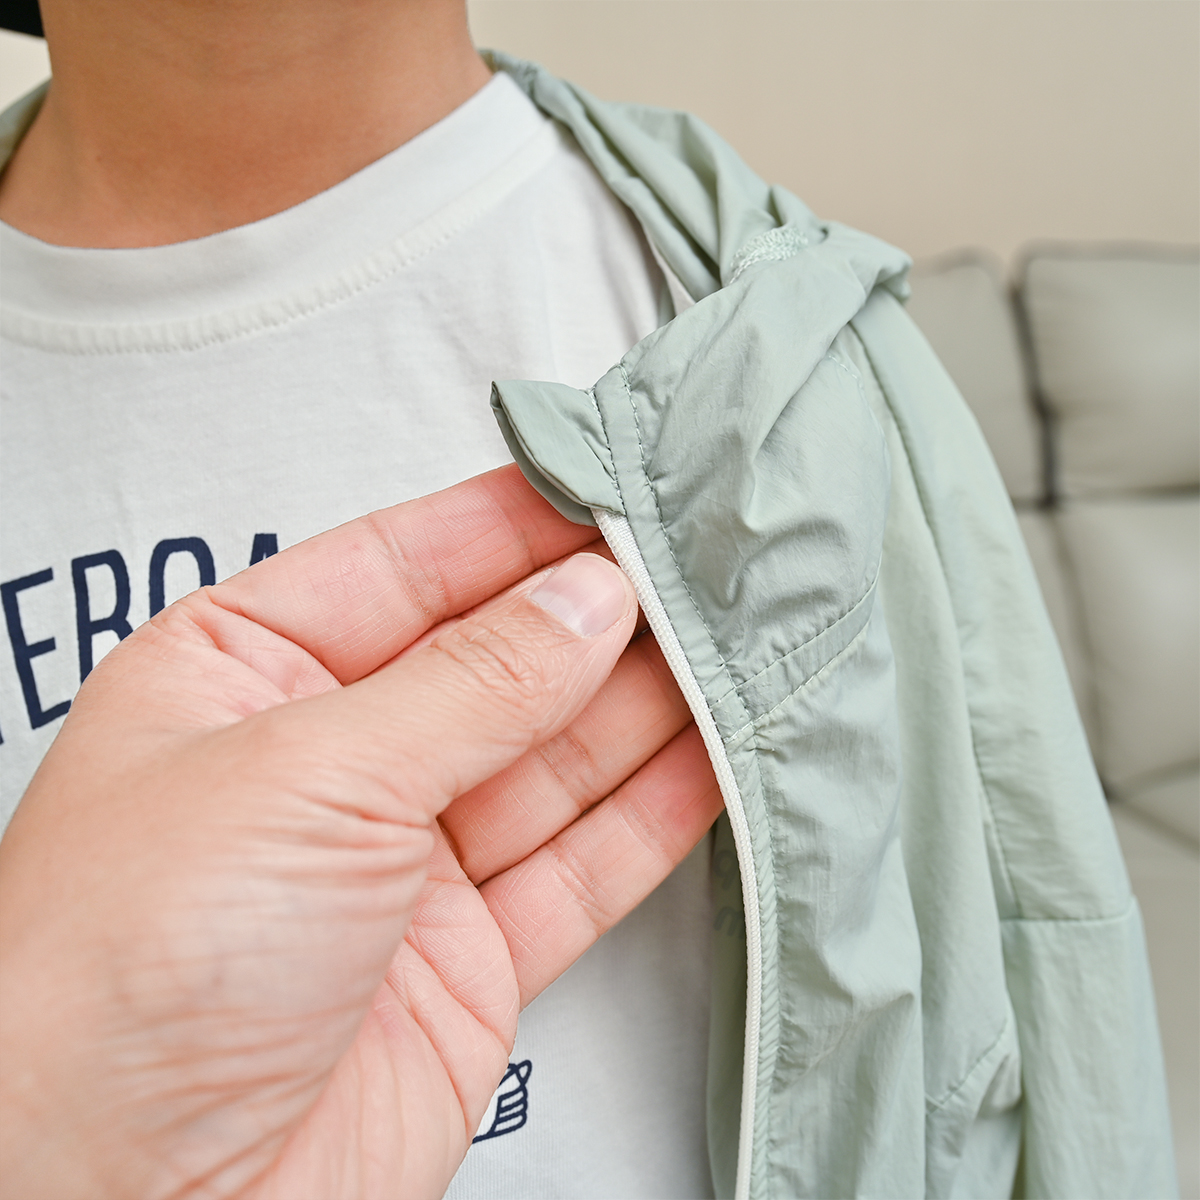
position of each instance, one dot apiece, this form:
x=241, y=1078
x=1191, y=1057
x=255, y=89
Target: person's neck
x=172, y=119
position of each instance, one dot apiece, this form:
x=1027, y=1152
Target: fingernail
x=586, y=593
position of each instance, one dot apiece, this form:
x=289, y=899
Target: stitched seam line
x=278, y=314
x=737, y=686
x=854, y=605
x=771, y=666
x=762, y=1113
x=756, y=722
x=637, y=428
x=849, y=369
x=932, y=1106
x=775, y=245
x=612, y=466
x=23, y=330
x=1113, y=919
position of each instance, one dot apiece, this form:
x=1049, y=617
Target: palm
x=424, y=1063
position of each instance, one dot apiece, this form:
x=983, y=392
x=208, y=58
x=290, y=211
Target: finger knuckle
x=579, y=883
x=574, y=765
x=518, y=670
x=415, y=567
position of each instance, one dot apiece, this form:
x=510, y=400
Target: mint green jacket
x=928, y=961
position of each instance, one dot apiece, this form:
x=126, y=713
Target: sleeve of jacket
x=1095, y=1119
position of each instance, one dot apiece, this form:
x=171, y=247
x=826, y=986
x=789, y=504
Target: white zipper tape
x=619, y=536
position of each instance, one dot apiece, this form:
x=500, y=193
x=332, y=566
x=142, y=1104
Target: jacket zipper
x=619, y=536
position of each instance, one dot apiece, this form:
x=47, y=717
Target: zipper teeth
x=619, y=536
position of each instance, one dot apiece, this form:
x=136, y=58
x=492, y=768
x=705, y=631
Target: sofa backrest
x=1116, y=354
x=960, y=304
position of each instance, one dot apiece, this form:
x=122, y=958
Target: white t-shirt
x=168, y=415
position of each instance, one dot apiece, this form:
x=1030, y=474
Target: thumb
x=436, y=722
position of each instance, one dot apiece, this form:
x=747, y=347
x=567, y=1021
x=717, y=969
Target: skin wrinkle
x=452, y=987
x=319, y=587
x=520, y=671
x=568, y=758
x=276, y=736
x=193, y=1049
x=573, y=874
x=217, y=1099
x=523, y=946
x=303, y=674
x=428, y=1031
x=398, y=982
x=377, y=770
x=204, y=613
x=368, y=575
x=450, y=840
x=523, y=810
x=642, y=824
x=409, y=572
x=193, y=627
x=476, y=647
x=262, y=1149
x=492, y=660
x=244, y=696
x=655, y=713
x=445, y=595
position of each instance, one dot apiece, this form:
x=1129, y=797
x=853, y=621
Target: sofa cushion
x=1115, y=337
x=1172, y=803
x=961, y=306
x=1137, y=567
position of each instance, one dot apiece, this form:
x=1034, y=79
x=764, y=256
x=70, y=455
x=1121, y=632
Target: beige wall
x=23, y=63
x=933, y=123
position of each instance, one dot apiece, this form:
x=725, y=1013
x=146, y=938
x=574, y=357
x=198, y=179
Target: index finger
x=356, y=596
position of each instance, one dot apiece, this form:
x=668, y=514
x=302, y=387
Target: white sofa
x=1084, y=374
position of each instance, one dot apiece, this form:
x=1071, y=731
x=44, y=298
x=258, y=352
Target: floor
x=1165, y=871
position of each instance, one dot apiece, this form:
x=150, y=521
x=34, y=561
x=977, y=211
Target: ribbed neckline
x=272, y=260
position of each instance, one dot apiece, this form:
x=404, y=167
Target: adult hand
x=241, y=954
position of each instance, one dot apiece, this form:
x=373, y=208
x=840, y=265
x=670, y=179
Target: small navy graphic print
x=511, y=1102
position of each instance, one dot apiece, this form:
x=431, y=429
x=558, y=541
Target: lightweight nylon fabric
x=952, y=963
